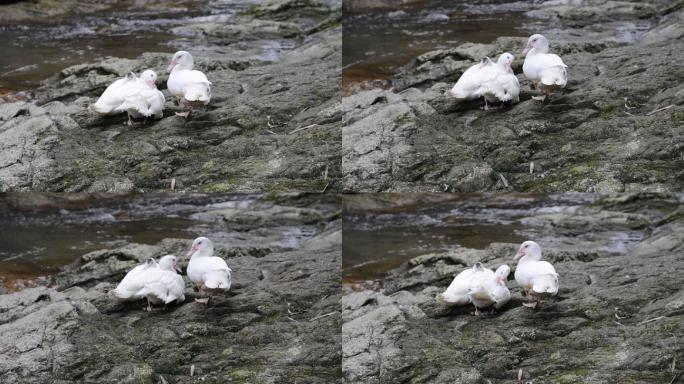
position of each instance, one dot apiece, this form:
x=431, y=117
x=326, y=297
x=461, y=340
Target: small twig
x=271, y=132
x=520, y=374
x=649, y=320
x=163, y=380
x=659, y=109
x=322, y=316
x=531, y=167
x=192, y=370
x=173, y=184
x=291, y=319
x=503, y=180
x=303, y=128
x=674, y=378
x=325, y=188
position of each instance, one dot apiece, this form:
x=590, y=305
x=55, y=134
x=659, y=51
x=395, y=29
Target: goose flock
x=486, y=288
x=496, y=82
x=139, y=97
x=160, y=283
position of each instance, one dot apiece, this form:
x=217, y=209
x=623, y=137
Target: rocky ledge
x=271, y=125
x=618, y=317
x=280, y=323
x=617, y=126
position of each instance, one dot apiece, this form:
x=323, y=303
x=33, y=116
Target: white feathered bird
x=488, y=288
x=493, y=81
x=132, y=286
x=191, y=87
x=537, y=278
x=146, y=100
x=547, y=71
x=209, y=272
x=163, y=284
x=138, y=97
x=457, y=292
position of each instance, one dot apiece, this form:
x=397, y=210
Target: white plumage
x=537, y=278
x=191, y=87
x=163, y=284
x=138, y=97
x=493, y=81
x=457, y=292
x=479, y=285
x=206, y=270
x=132, y=286
x=547, y=71
x=146, y=100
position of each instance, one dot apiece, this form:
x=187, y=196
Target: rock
x=623, y=303
x=271, y=125
x=280, y=321
x=415, y=138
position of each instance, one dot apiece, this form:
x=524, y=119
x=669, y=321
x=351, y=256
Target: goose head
x=530, y=250
x=538, y=43
x=201, y=247
x=182, y=60
x=169, y=263
x=506, y=61
x=149, y=77
x=501, y=274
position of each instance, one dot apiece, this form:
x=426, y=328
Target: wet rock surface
x=272, y=124
x=617, y=126
x=280, y=322
x=617, y=318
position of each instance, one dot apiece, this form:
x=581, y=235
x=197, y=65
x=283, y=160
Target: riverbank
x=616, y=127
x=617, y=316
x=272, y=125
x=279, y=323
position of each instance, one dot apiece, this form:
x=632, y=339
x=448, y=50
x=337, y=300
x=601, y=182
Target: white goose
x=132, y=285
x=164, y=285
x=457, y=292
x=493, y=81
x=479, y=285
x=489, y=288
x=537, y=278
x=502, y=84
x=138, y=97
x=191, y=87
x=145, y=100
x=206, y=270
x=546, y=70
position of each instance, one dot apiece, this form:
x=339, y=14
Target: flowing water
x=376, y=43
x=383, y=231
x=41, y=233
x=35, y=50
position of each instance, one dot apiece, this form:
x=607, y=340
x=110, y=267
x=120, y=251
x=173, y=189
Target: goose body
x=538, y=278
x=145, y=100
x=137, y=96
x=115, y=95
x=163, y=284
x=457, y=292
x=547, y=71
x=489, y=288
x=493, y=81
x=132, y=286
x=209, y=272
x=192, y=88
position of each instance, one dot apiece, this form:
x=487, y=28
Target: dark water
x=41, y=233
x=376, y=43
x=381, y=232
x=33, y=51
